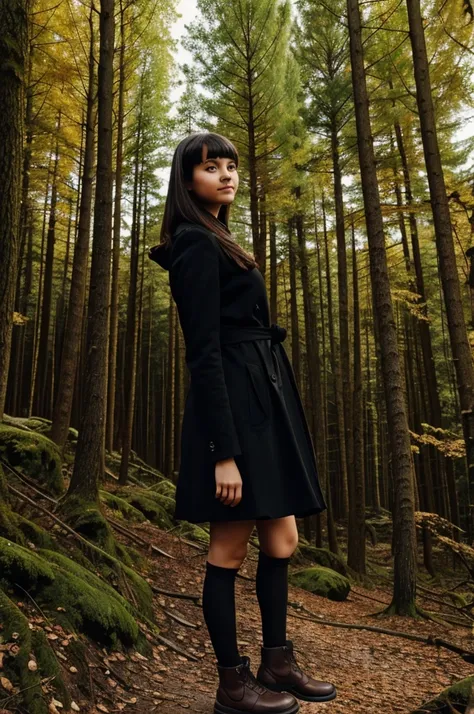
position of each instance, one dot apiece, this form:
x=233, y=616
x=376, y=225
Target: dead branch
x=137, y=538
x=181, y=596
x=179, y=619
x=175, y=647
x=27, y=481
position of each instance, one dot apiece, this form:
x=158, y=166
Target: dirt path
x=373, y=672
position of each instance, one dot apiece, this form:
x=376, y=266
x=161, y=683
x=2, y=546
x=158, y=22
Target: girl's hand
x=228, y=482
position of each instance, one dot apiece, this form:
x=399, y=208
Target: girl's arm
x=194, y=282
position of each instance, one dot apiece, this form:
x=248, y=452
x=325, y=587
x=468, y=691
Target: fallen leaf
x=6, y=684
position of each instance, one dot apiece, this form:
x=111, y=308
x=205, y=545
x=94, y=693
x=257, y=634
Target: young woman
x=246, y=452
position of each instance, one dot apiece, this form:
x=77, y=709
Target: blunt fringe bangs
x=180, y=205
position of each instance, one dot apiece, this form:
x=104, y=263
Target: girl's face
x=215, y=182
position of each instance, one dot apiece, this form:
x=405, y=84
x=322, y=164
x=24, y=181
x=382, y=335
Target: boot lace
x=250, y=681
x=294, y=664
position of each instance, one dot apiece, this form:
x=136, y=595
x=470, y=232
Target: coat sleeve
x=194, y=283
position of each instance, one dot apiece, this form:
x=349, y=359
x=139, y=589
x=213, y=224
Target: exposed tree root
x=437, y=641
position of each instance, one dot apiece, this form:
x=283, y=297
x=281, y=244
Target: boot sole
x=303, y=697
x=221, y=709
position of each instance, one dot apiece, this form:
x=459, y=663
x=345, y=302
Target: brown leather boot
x=279, y=671
x=240, y=692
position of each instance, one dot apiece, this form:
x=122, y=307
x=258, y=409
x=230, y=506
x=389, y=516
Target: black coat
x=243, y=400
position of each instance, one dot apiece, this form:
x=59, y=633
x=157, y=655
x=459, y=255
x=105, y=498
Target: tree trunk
x=114, y=298
x=89, y=462
x=403, y=602
x=331, y=528
x=130, y=367
x=77, y=295
x=342, y=485
x=39, y=402
x=313, y=358
x=356, y=524
x=26, y=217
x=273, y=272
x=444, y=241
x=344, y=359
x=13, y=61
x=295, y=327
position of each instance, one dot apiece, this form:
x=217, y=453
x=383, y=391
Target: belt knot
x=278, y=333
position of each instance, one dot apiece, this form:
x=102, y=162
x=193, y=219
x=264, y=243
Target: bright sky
x=188, y=11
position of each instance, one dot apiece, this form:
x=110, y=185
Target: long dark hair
x=180, y=205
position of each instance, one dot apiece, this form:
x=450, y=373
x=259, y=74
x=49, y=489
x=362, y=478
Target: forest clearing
x=352, y=123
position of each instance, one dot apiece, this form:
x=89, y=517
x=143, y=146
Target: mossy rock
x=457, y=695
x=31, y=644
x=322, y=581
x=123, y=507
x=115, y=561
x=86, y=519
x=34, y=454
x=9, y=524
x=321, y=556
x=192, y=531
x=166, y=488
x=382, y=525
x=142, y=590
x=91, y=605
x=35, y=534
x=38, y=424
x=154, y=506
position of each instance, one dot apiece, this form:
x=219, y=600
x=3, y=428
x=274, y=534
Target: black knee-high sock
x=218, y=606
x=272, y=595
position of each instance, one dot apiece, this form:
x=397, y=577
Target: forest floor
x=372, y=672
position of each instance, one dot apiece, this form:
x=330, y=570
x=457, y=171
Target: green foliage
x=36, y=455
x=449, y=444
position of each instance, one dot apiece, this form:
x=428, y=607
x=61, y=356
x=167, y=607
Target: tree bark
x=89, y=461
x=403, y=601
x=356, y=525
x=444, y=241
x=77, y=295
x=13, y=63
x=114, y=298
x=130, y=371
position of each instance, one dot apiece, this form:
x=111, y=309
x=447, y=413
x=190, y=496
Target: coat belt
x=239, y=333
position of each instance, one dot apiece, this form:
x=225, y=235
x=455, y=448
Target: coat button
x=212, y=446
x=273, y=377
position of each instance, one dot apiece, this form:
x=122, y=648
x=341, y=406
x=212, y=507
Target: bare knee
x=229, y=543
x=281, y=549
x=227, y=555
x=278, y=539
